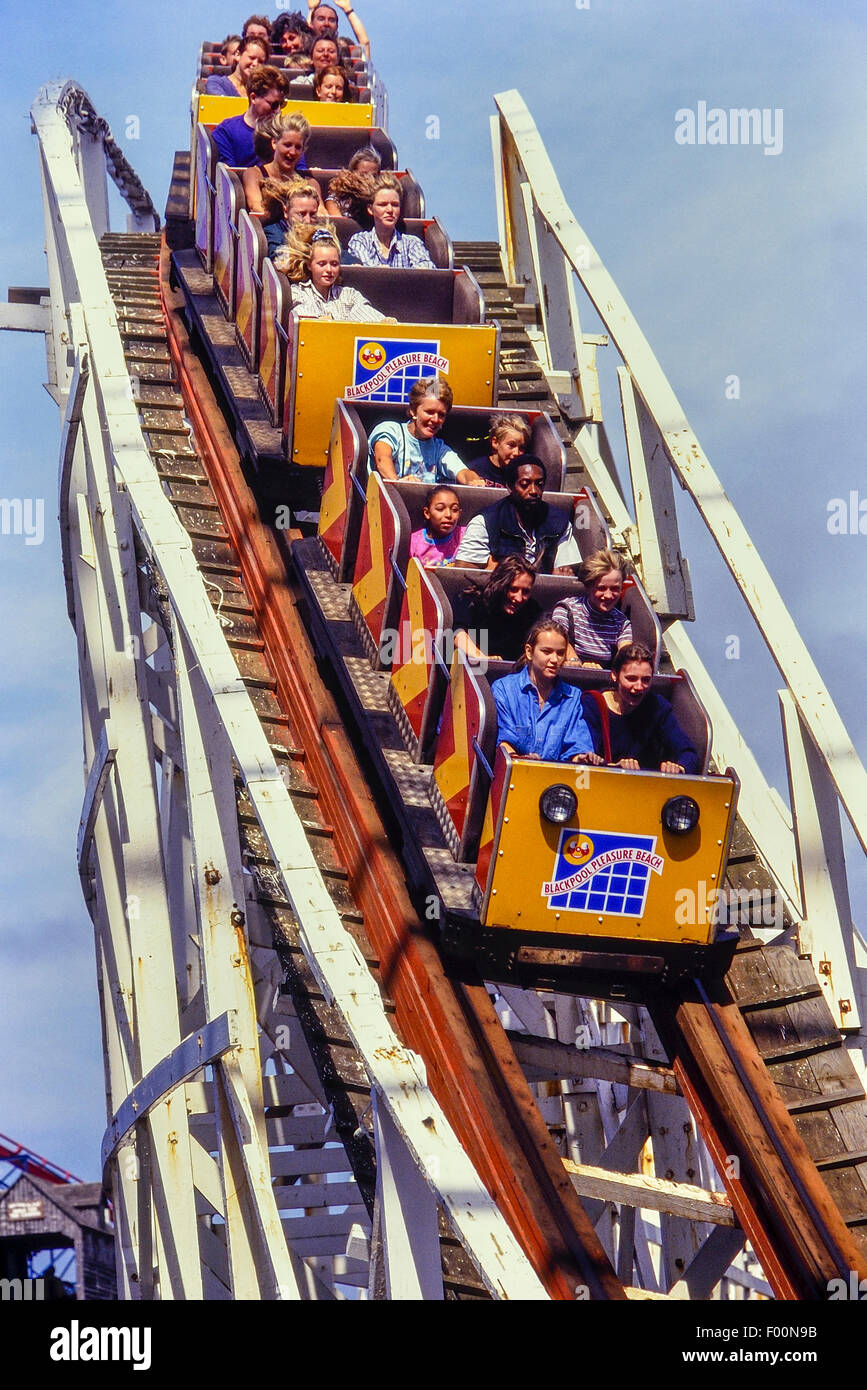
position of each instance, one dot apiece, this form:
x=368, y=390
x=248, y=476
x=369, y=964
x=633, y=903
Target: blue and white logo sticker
x=386, y=370
x=604, y=872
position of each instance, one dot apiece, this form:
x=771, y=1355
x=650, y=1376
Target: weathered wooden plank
x=820, y=1133
x=656, y=1194
x=303, y=1228
x=544, y=1058
x=302, y=1162
x=309, y=1195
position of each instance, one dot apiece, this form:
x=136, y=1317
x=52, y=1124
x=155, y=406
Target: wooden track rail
x=779, y=1198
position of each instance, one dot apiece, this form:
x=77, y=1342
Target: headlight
x=558, y=803
x=680, y=815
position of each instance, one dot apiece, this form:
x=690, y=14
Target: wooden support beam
x=636, y=1190
x=710, y=1264
x=546, y=1059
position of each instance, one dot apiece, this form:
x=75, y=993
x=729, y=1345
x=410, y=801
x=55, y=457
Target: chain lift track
x=262, y=971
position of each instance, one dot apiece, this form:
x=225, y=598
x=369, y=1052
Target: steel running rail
x=121, y=524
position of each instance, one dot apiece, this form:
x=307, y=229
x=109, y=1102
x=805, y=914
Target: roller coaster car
x=422, y=655
x=594, y=879
x=599, y=872
x=306, y=363
x=346, y=477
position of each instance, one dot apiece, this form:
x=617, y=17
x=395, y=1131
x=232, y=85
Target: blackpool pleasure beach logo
x=385, y=371
x=604, y=872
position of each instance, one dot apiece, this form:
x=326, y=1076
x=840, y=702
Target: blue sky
x=731, y=260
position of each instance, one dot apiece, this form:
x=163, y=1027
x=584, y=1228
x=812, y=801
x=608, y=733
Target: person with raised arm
x=234, y=138
x=538, y=714
x=323, y=20
x=385, y=244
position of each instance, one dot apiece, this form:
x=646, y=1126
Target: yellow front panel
x=212, y=110
x=613, y=870
x=343, y=359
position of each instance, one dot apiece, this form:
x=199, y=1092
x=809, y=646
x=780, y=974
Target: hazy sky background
x=734, y=262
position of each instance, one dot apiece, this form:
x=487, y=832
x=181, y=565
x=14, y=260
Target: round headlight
x=558, y=803
x=680, y=815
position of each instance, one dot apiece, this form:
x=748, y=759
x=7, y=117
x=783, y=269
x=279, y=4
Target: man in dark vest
x=521, y=524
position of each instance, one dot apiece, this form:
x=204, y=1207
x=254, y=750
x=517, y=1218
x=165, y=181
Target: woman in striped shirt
x=596, y=626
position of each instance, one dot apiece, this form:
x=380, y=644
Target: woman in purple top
x=235, y=137
x=437, y=541
x=253, y=52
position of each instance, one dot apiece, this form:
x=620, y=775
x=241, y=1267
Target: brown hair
x=257, y=39
x=259, y=19
x=228, y=41
x=435, y=386
x=366, y=152
x=334, y=71
x=492, y=595
x=353, y=190
x=264, y=79
x=544, y=624
x=633, y=651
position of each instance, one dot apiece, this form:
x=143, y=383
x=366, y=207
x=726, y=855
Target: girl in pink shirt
x=437, y=541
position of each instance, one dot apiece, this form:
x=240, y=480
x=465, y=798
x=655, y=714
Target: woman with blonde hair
x=287, y=136
x=287, y=201
x=596, y=626
x=311, y=260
